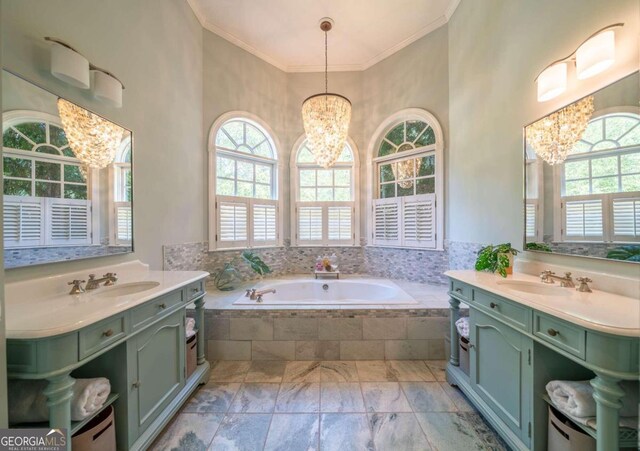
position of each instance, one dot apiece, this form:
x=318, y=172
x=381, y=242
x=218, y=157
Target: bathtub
x=330, y=292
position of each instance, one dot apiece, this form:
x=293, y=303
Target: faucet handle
x=111, y=278
x=250, y=293
x=584, y=280
x=77, y=286
x=92, y=276
x=584, y=284
x=567, y=275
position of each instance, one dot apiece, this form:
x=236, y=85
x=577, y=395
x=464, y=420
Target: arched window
x=407, y=170
x=600, y=181
x=244, y=168
x=324, y=209
x=46, y=194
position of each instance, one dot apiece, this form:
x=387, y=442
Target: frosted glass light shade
x=596, y=55
x=107, y=88
x=69, y=66
x=552, y=82
x=326, y=120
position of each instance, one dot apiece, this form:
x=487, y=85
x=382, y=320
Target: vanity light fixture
x=93, y=139
x=326, y=117
x=553, y=136
x=68, y=65
x=594, y=55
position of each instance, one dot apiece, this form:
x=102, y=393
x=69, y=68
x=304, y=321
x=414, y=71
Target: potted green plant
x=224, y=278
x=629, y=253
x=496, y=259
x=541, y=247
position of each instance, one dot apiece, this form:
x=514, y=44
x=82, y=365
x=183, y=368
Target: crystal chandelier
x=553, y=136
x=93, y=139
x=404, y=170
x=326, y=117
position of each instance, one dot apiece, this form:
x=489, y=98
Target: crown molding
x=432, y=26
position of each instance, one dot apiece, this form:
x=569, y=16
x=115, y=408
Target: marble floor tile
x=345, y=431
x=212, y=397
x=302, y=397
x=384, y=397
x=241, y=432
x=338, y=371
x=410, y=370
x=293, y=432
x=302, y=371
x=192, y=431
x=458, y=431
x=229, y=371
x=397, y=431
x=255, y=398
x=458, y=398
x=266, y=371
x=428, y=397
x=438, y=367
x=375, y=371
x=341, y=397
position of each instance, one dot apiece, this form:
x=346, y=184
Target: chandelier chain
x=326, y=65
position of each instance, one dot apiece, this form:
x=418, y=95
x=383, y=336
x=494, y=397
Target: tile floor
x=332, y=405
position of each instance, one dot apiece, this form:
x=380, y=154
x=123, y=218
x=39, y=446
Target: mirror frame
x=132, y=246
x=524, y=177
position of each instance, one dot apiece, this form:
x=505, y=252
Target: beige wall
x=4, y=414
x=155, y=48
x=496, y=49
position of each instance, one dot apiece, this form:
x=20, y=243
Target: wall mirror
x=56, y=206
x=582, y=176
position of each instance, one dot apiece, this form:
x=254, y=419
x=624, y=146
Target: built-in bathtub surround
x=341, y=332
x=405, y=264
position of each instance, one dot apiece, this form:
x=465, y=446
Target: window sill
x=242, y=249
x=326, y=245
x=380, y=246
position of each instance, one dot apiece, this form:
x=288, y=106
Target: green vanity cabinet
x=156, y=370
x=515, y=350
x=501, y=371
x=141, y=350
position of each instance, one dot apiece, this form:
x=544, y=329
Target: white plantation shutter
x=233, y=223
x=531, y=229
x=124, y=220
x=340, y=223
x=386, y=221
x=23, y=219
x=419, y=214
x=310, y=225
x=626, y=219
x=583, y=220
x=69, y=221
x=265, y=223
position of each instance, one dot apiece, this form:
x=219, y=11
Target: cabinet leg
x=200, y=326
x=454, y=314
x=59, y=392
x=607, y=394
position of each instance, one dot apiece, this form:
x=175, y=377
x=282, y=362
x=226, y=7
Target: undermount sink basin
x=524, y=286
x=126, y=289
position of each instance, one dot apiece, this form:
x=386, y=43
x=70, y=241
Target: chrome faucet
x=108, y=279
x=77, y=286
x=255, y=295
x=550, y=277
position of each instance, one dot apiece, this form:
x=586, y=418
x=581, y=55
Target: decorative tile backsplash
x=36, y=255
x=409, y=264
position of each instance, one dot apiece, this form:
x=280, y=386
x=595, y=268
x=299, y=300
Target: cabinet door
x=501, y=371
x=157, y=359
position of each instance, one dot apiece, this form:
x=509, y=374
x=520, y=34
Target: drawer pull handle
x=493, y=305
x=195, y=290
x=552, y=332
x=459, y=290
x=162, y=306
x=107, y=333
x=136, y=384
x=471, y=346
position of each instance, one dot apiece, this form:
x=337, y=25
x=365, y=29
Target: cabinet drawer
x=195, y=289
x=509, y=312
x=102, y=334
x=560, y=333
x=460, y=289
x=150, y=311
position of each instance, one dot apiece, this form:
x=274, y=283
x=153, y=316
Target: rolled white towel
x=89, y=395
x=190, y=324
x=576, y=398
x=28, y=404
x=463, y=327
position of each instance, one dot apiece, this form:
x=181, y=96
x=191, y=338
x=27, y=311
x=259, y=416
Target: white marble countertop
x=598, y=310
x=40, y=308
x=428, y=296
